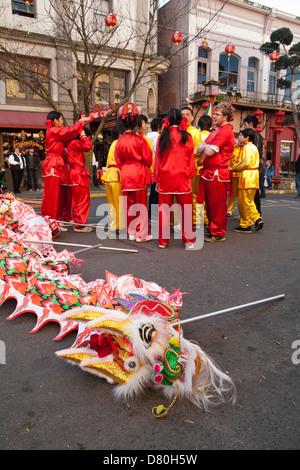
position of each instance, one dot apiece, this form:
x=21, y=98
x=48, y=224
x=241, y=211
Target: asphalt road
x=48, y=404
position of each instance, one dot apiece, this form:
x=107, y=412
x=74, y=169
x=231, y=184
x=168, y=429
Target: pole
x=77, y=244
x=227, y=310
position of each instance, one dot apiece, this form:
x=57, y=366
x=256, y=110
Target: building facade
x=52, y=50
x=246, y=77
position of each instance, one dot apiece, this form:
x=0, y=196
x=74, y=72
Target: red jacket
x=134, y=158
x=174, y=169
x=56, y=139
x=78, y=174
x=223, y=139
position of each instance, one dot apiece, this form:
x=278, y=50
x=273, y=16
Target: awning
x=22, y=120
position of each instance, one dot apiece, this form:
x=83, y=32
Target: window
x=272, y=80
x=228, y=72
x=110, y=87
x=252, y=74
x=101, y=12
x=20, y=8
x=287, y=91
x=37, y=75
x=202, y=65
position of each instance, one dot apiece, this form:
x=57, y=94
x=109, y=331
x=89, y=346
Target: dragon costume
x=128, y=330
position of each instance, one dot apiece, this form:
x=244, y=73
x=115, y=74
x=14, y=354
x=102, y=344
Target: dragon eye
x=131, y=363
x=148, y=333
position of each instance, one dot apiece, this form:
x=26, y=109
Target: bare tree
x=77, y=29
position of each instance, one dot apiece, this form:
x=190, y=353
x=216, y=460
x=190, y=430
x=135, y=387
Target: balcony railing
x=243, y=96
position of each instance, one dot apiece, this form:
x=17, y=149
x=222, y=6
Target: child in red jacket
x=173, y=171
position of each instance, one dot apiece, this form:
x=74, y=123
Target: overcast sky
x=290, y=6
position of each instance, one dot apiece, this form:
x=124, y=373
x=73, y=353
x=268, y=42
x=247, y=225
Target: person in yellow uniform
x=204, y=124
x=196, y=135
x=234, y=178
x=112, y=180
x=248, y=182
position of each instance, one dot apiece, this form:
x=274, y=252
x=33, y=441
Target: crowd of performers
x=200, y=169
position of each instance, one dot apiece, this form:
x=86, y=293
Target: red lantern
x=110, y=20
x=258, y=112
x=278, y=130
x=259, y=129
x=205, y=105
x=274, y=56
x=204, y=43
x=279, y=122
x=176, y=37
x=279, y=114
x=260, y=121
x=229, y=49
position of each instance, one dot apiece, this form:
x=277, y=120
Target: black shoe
x=259, y=224
x=242, y=229
x=213, y=238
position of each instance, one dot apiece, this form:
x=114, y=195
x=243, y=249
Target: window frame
x=20, y=8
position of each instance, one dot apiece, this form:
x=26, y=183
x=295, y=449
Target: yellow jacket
x=248, y=167
x=235, y=160
x=151, y=146
x=113, y=173
x=197, y=139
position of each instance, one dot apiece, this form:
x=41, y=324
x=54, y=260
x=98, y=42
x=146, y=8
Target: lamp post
x=212, y=90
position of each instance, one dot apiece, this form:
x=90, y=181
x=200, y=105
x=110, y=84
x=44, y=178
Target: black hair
x=130, y=122
x=174, y=117
x=205, y=122
x=142, y=117
x=187, y=107
x=54, y=115
x=87, y=131
x=156, y=124
x=120, y=125
x=114, y=133
x=248, y=132
x=251, y=119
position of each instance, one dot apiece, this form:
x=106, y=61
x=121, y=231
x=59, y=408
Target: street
x=48, y=404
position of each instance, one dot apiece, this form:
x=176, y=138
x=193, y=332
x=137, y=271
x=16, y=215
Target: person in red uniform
x=79, y=180
x=134, y=158
x=215, y=177
x=57, y=136
x=173, y=171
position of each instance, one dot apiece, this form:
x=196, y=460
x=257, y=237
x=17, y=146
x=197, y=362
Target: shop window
x=228, y=72
x=272, y=80
x=20, y=8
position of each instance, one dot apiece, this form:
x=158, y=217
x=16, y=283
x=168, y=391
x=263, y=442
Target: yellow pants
x=197, y=207
x=247, y=207
x=231, y=200
x=116, y=207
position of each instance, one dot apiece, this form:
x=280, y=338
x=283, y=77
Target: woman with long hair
x=173, y=171
x=57, y=136
x=134, y=158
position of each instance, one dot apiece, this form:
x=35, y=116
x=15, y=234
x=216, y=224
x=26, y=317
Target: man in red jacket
x=215, y=177
x=79, y=180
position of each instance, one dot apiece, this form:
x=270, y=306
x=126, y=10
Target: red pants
x=52, y=196
x=65, y=212
x=80, y=204
x=137, y=217
x=185, y=201
x=215, y=193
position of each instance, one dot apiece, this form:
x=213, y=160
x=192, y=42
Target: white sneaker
x=63, y=229
x=84, y=229
x=162, y=246
x=229, y=213
x=142, y=240
x=189, y=246
x=131, y=238
x=177, y=228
